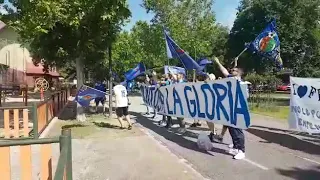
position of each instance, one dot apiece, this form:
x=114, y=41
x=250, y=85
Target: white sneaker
x=230, y=145
x=233, y=151
x=182, y=130
x=239, y=155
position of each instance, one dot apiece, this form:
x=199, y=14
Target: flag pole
x=235, y=61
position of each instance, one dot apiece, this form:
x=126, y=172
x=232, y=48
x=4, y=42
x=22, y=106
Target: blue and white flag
x=174, y=51
x=87, y=94
x=267, y=44
x=174, y=70
x=133, y=73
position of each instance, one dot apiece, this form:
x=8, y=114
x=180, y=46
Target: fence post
x=58, y=102
x=47, y=111
x=54, y=105
x=0, y=94
x=26, y=96
x=67, y=133
x=35, y=121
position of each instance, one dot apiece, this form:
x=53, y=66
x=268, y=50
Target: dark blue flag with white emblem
x=267, y=44
x=87, y=94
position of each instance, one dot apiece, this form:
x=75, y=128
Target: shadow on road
x=106, y=125
x=289, y=131
x=286, y=140
x=301, y=174
x=172, y=136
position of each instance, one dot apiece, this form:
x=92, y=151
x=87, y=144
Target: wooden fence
x=64, y=166
x=17, y=121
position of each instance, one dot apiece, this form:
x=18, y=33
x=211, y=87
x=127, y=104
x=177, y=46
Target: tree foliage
x=191, y=23
x=60, y=31
x=298, y=27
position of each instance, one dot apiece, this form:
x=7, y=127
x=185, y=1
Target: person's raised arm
x=221, y=67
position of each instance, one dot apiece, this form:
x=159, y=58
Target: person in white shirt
x=122, y=103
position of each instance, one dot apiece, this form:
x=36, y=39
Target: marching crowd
x=237, y=148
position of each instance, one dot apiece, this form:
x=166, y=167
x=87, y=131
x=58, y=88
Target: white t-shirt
x=121, y=95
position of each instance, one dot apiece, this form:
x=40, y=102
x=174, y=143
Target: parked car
x=284, y=87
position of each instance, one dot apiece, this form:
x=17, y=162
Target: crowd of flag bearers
x=266, y=44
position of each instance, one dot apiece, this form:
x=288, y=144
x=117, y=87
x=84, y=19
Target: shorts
x=100, y=99
x=122, y=111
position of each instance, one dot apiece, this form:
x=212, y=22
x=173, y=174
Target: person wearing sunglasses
x=237, y=135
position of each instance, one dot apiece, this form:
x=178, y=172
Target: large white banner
x=305, y=104
x=221, y=101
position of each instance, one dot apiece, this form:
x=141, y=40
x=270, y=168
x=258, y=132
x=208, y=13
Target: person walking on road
x=237, y=135
x=122, y=105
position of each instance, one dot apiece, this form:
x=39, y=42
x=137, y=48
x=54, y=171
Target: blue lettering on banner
x=168, y=110
x=200, y=114
x=190, y=102
x=177, y=100
x=220, y=98
x=232, y=116
x=243, y=109
x=204, y=87
x=302, y=91
x=222, y=102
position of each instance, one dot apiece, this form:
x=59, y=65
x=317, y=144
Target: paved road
x=272, y=152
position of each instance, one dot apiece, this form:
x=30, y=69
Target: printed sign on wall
x=305, y=104
x=222, y=101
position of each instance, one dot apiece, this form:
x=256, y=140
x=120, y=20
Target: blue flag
x=174, y=70
x=87, y=94
x=203, y=63
x=133, y=73
x=267, y=44
x=174, y=51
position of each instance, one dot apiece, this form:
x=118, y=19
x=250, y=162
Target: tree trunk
x=80, y=110
x=110, y=82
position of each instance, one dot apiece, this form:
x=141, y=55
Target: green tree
x=62, y=31
x=298, y=29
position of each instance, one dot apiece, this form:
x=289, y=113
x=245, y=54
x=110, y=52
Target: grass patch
x=278, y=112
x=78, y=130
x=97, y=126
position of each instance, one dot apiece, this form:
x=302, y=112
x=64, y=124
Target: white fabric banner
x=221, y=101
x=305, y=104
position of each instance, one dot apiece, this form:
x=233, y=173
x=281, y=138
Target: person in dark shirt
x=237, y=135
x=101, y=87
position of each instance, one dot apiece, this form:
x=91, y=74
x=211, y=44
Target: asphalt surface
x=272, y=152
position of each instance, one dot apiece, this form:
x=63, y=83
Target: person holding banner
x=150, y=81
x=179, y=78
x=166, y=120
x=237, y=135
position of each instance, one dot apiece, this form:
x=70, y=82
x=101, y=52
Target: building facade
x=16, y=66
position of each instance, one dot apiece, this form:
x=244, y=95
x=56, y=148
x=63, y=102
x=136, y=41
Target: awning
x=32, y=69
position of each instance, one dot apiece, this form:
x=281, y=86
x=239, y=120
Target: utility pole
x=110, y=81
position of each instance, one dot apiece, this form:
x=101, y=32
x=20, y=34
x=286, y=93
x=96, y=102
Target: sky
x=225, y=12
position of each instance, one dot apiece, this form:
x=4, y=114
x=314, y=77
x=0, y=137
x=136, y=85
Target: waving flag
x=203, y=63
x=174, y=70
x=174, y=51
x=133, y=73
x=267, y=44
x=87, y=94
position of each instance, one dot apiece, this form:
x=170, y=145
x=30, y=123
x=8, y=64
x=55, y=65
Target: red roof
x=32, y=69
